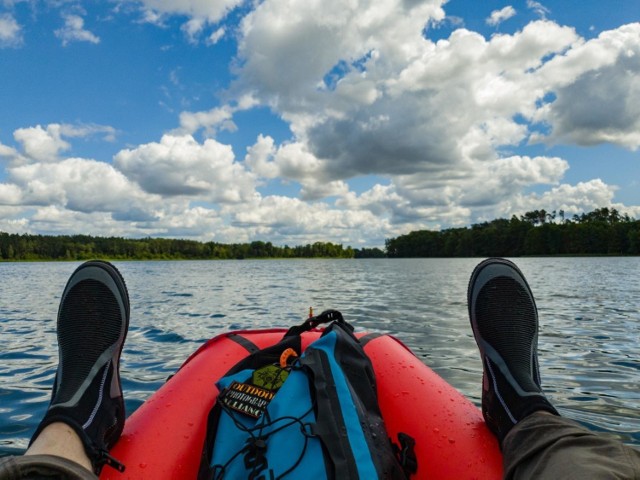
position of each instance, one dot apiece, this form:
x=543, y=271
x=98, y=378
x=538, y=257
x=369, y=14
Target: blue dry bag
x=316, y=415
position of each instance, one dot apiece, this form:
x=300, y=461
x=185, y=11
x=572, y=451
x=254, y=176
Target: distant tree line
x=603, y=231
x=81, y=247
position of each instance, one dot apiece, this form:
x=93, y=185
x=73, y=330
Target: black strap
x=406, y=454
x=368, y=337
x=248, y=345
x=325, y=317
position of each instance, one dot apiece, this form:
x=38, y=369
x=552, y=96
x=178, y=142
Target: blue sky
x=296, y=121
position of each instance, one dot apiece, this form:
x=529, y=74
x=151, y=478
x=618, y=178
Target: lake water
x=590, y=324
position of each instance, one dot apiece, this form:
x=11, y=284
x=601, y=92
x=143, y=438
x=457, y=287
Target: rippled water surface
x=590, y=324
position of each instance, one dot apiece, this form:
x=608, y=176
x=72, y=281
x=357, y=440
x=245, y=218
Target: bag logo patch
x=270, y=377
x=246, y=399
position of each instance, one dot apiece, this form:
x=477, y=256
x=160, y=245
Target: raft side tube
x=452, y=440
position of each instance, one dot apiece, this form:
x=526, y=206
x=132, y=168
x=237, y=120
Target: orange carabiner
x=287, y=357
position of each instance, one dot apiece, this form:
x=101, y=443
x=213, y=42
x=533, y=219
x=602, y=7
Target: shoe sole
x=508, y=269
x=109, y=275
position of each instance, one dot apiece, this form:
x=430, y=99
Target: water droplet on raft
x=142, y=465
x=452, y=440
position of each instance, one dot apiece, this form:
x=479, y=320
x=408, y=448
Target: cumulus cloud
x=179, y=165
x=433, y=109
x=485, y=186
x=10, y=154
x=10, y=31
x=40, y=177
x=286, y=65
x=211, y=121
x=434, y=117
x=42, y=144
x=293, y=221
x=499, y=16
x=573, y=199
x=437, y=109
x=365, y=93
x=74, y=31
x=598, y=94
x=505, y=177
x=291, y=161
x=76, y=184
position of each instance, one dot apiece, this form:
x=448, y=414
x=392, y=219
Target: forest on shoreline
x=15, y=247
x=603, y=231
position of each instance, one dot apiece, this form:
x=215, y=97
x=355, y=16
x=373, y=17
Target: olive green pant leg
x=550, y=447
x=42, y=467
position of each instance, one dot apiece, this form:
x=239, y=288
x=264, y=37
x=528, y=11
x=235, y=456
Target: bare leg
x=62, y=441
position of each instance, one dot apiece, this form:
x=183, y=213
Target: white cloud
x=216, y=36
x=293, y=221
x=316, y=191
x=260, y=156
x=180, y=166
x=399, y=104
x=287, y=47
x=74, y=31
x=193, y=28
x=598, y=91
x=538, y=8
x=76, y=184
x=210, y=10
x=10, y=194
x=46, y=144
x=219, y=118
x=11, y=155
x=10, y=31
x=573, y=199
x=435, y=119
x=40, y=144
x=499, y=16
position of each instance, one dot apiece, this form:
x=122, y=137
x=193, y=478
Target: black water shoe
x=504, y=319
x=93, y=319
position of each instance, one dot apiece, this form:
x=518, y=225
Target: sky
x=295, y=121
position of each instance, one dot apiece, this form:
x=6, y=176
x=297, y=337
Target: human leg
x=43, y=467
x=548, y=446
x=536, y=442
x=61, y=440
x=86, y=414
